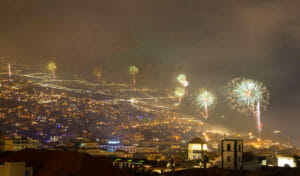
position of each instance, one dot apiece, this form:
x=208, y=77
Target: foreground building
x=232, y=154
x=197, y=149
x=15, y=169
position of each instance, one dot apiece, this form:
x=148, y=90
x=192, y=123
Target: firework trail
x=52, y=67
x=97, y=72
x=9, y=69
x=203, y=101
x=133, y=71
x=248, y=96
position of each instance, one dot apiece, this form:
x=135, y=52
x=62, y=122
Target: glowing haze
x=210, y=41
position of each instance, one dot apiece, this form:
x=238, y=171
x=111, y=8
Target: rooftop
x=197, y=140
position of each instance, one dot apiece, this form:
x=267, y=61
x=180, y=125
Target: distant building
x=197, y=149
x=128, y=148
x=15, y=169
x=89, y=145
x=102, y=153
x=232, y=154
x=19, y=143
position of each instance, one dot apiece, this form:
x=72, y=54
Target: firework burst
x=133, y=71
x=52, y=68
x=179, y=92
x=203, y=101
x=248, y=96
x=181, y=78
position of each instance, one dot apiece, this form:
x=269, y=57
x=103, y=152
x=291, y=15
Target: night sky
x=211, y=41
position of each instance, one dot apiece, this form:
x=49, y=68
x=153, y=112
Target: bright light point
x=185, y=84
x=132, y=100
x=276, y=132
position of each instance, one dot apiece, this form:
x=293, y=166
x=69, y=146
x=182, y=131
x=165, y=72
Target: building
x=197, y=149
x=286, y=161
x=93, y=149
x=19, y=143
x=128, y=148
x=15, y=169
x=1, y=143
x=232, y=154
x=89, y=145
x=102, y=153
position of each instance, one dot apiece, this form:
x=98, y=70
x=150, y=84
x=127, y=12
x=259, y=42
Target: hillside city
x=117, y=121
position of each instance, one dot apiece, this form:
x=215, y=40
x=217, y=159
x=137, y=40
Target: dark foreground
x=59, y=163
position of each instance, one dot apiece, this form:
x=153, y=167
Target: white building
x=197, y=148
x=232, y=154
x=285, y=161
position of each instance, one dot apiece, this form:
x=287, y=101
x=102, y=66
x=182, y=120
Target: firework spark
x=204, y=101
x=246, y=95
x=133, y=71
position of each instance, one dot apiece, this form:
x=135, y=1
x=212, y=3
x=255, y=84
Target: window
x=239, y=159
x=26, y=173
x=228, y=158
x=240, y=148
x=196, y=151
x=228, y=147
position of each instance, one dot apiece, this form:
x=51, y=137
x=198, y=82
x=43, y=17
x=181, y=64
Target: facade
x=129, y=148
x=89, y=145
x=197, y=149
x=19, y=143
x=102, y=153
x=232, y=154
x=15, y=169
